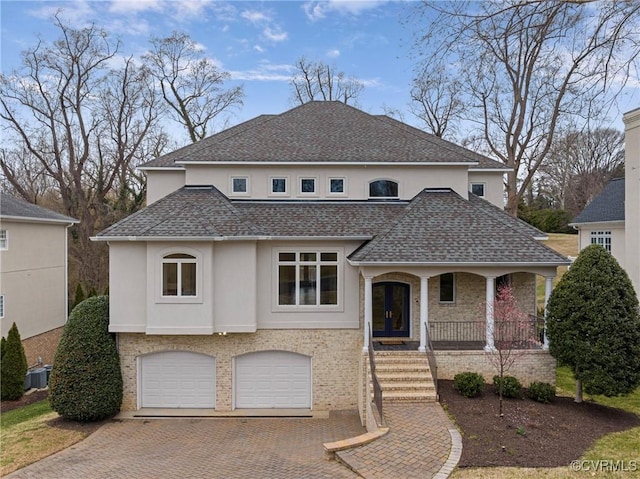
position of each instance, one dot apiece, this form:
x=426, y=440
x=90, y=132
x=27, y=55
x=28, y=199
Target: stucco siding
x=127, y=286
x=335, y=358
x=162, y=182
x=632, y=195
x=494, y=185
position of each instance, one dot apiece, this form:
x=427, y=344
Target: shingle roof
x=607, y=206
x=323, y=132
x=436, y=226
x=13, y=207
x=439, y=226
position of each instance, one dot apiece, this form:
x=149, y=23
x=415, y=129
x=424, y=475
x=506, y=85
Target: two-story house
x=272, y=254
x=33, y=275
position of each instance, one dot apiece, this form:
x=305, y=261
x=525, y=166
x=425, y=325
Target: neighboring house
x=612, y=219
x=33, y=275
x=270, y=252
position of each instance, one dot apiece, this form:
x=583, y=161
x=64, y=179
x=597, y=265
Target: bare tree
x=80, y=127
x=191, y=84
x=319, y=81
x=436, y=99
x=580, y=164
x=526, y=67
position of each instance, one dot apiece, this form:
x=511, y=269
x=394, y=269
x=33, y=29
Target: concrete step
x=408, y=396
x=401, y=369
x=418, y=375
x=407, y=386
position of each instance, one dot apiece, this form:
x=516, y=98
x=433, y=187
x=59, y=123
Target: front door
x=390, y=310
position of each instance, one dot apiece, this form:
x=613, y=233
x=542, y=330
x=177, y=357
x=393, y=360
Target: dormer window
x=383, y=189
x=179, y=275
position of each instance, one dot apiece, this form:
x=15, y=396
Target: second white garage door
x=273, y=379
x=177, y=379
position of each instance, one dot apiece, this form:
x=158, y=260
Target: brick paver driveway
x=184, y=448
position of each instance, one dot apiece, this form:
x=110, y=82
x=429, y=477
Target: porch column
x=548, y=287
x=490, y=298
x=368, y=307
x=424, y=312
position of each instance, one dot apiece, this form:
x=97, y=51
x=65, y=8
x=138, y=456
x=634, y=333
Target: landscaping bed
x=530, y=434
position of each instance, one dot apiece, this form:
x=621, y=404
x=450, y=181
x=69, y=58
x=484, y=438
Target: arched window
x=179, y=275
x=383, y=189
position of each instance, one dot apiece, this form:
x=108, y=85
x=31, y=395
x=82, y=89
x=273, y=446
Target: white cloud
x=258, y=48
x=334, y=53
x=275, y=35
x=78, y=15
x=317, y=10
x=255, y=17
x=265, y=71
x=135, y=6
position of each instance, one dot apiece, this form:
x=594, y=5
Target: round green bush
x=541, y=392
x=13, y=367
x=511, y=387
x=86, y=381
x=468, y=384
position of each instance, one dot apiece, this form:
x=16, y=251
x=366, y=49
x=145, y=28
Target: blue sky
x=257, y=42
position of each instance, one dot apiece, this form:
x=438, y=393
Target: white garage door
x=273, y=379
x=178, y=379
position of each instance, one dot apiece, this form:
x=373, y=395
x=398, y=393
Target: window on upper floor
x=1, y=306
x=603, y=238
x=478, y=189
x=448, y=288
x=383, y=189
x=278, y=185
x=179, y=278
x=307, y=278
x=307, y=186
x=336, y=186
x=239, y=185
x=4, y=240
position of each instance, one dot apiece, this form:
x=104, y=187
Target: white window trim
x=4, y=242
x=315, y=186
x=307, y=307
x=600, y=237
x=368, y=192
x=239, y=193
x=286, y=185
x=484, y=188
x=453, y=301
x=199, y=277
x=344, y=186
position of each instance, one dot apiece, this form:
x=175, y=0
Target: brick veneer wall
x=335, y=360
x=532, y=365
x=42, y=346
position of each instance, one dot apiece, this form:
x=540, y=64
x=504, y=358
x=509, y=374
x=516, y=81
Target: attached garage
x=273, y=379
x=177, y=379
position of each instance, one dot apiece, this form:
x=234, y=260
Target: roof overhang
x=160, y=168
x=491, y=170
x=595, y=223
x=229, y=238
x=28, y=219
x=450, y=264
x=331, y=163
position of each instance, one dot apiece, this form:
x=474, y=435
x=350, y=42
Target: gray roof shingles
x=10, y=206
x=607, y=206
x=437, y=226
x=323, y=132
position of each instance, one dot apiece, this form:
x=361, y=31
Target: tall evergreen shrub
x=13, y=368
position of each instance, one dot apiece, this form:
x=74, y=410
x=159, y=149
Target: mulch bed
x=530, y=434
x=25, y=400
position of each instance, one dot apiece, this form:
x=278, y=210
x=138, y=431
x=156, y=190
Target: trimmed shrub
x=86, y=382
x=468, y=384
x=511, y=387
x=541, y=392
x=14, y=366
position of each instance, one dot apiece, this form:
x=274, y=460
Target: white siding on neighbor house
x=617, y=229
x=272, y=316
x=411, y=179
x=127, y=286
x=162, y=182
x=33, y=277
x=235, y=286
x=632, y=195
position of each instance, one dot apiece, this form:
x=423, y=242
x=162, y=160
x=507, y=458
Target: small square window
x=278, y=185
x=307, y=185
x=336, y=185
x=477, y=189
x=4, y=240
x=239, y=185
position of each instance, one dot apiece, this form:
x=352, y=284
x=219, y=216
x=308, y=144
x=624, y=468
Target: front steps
x=404, y=377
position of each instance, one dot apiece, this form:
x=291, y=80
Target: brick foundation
x=43, y=345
